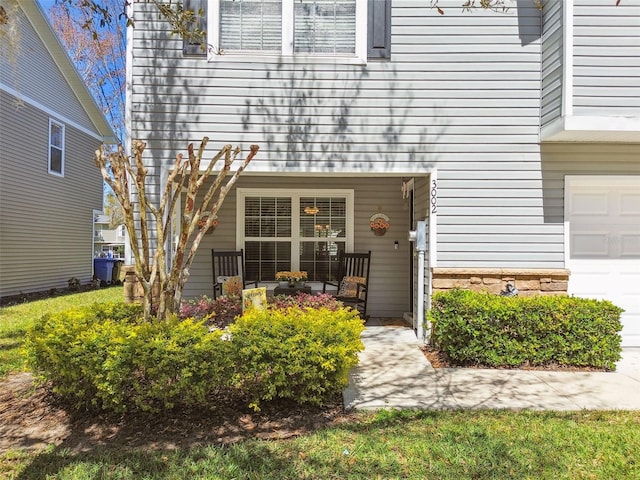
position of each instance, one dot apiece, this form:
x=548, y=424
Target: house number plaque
x=434, y=196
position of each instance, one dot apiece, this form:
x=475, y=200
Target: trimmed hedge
x=105, y=357
x=302, y=354
x=482, y=329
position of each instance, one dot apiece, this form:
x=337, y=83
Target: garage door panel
x=590, y=245
x=630, y=245
x=589, y=204
x=630, y=204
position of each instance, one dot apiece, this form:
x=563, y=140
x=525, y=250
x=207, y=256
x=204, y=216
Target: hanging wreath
x=379, y=224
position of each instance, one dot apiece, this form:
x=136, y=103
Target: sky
x=46, y=4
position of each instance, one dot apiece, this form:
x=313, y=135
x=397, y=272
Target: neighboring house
x=108, y=241
x=515, y=136
x=49, y=185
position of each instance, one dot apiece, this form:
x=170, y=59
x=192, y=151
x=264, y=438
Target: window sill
x=285, y=59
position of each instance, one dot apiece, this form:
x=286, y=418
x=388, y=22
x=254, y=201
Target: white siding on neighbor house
x=390, y=280
x=606, y=58
x=552, y=61
x=35, y=76
x=45, y=220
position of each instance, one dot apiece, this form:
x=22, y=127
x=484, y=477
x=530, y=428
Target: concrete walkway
x=393, y=373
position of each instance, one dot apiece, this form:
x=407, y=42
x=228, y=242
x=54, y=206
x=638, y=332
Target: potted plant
x=292, y=279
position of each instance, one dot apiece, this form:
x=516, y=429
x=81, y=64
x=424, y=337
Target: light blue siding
x=552, y=61
x=606, y=58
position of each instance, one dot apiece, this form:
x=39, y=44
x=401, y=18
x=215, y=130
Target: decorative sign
x=379, y=224
x=254, y=298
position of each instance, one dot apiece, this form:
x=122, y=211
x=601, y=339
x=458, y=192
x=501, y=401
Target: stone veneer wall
x=528, y=281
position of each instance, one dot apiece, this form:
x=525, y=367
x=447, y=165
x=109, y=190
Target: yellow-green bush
x=295, y=353
x=480, y=328
x=106, y=357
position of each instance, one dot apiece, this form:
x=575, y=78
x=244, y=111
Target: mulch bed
x=31, y=418
x=439, y=359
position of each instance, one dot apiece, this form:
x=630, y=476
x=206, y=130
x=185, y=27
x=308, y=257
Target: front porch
x=303, y=222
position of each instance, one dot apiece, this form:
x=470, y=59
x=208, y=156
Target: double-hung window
x=314, y=28
x=56, y=147
x=283, y=231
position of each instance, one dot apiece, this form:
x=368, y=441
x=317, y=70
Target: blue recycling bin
x=103, y=268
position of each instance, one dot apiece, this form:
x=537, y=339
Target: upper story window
x=350, y=30
x=312, y=28
x=56, y=147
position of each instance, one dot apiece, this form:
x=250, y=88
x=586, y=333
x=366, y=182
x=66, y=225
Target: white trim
x=432, y=243
x=432, y=220
x=51, y=145
x=51, y=113
x=128, y=108
x=568, y=182
x=592, y=128
x=243, y=193
x=567, y=64
x=602, y=123
x=286, y=55
x=288, y=30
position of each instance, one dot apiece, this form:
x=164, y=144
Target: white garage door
x=602, y=215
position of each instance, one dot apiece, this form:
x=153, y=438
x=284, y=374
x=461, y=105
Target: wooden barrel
x=133, y=291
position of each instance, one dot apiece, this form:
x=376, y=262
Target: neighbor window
x=306, y=231
x=290, y=27
x=56, y=147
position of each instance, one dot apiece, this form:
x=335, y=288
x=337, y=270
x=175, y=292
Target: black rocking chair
x=227, y=265
x=352, y=281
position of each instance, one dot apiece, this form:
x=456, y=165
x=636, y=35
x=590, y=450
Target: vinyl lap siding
x=37, y=77
x=552, y=62
x=45, y=220
x=460, y=94
x=606, y=58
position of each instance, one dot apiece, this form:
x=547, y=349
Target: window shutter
x=196, y=46
x=379, y=29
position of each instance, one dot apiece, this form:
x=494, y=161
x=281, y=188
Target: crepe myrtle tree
x=149, y=224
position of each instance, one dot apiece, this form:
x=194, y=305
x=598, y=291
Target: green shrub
x=105, y=356
x=480, y=328
x=294, y=353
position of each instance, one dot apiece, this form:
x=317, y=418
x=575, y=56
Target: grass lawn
x=387, y=445
x=15, y=320
x=460, y=445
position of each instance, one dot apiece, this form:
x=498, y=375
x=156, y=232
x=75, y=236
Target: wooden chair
x=226, y=265
x=352, y=281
